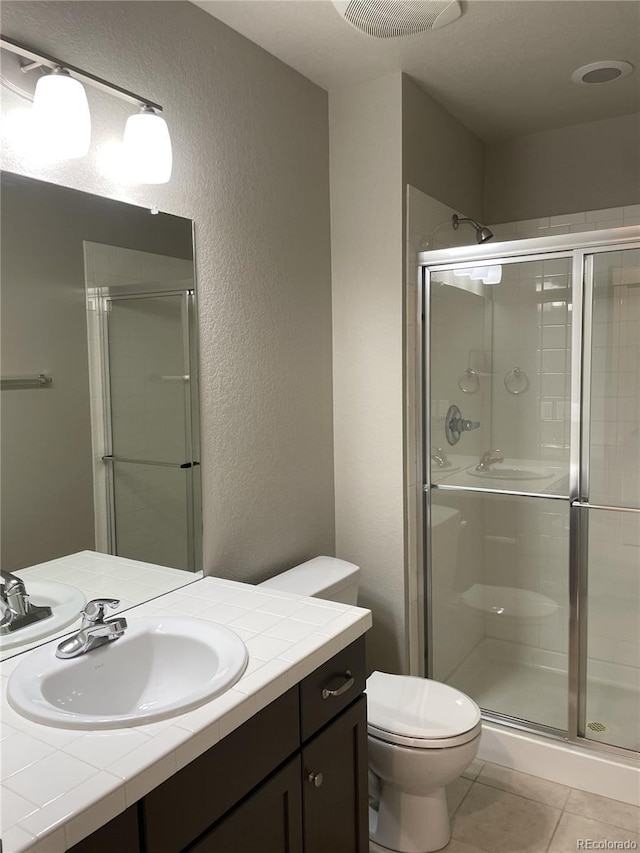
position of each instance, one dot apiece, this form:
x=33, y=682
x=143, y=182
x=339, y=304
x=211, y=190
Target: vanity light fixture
x=61, y=115
x=62, y=121
x=147, y=147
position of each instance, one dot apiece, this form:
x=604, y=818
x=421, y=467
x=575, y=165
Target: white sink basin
x=67, y=603
x=512, y=472
x=159, y=668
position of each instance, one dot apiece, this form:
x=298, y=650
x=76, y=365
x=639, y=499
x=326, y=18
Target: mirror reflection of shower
x=143, y=377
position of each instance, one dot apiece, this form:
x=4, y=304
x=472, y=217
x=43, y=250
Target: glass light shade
x=147, y=148
x=478, y=273
x=494, y=275
x=62, y=118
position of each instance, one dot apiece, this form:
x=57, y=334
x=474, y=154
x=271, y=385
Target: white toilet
x=422, y=734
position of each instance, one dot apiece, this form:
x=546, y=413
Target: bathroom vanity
x=276, y=763
x=291, y=779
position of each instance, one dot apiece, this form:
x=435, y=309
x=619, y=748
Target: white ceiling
x=502, y=69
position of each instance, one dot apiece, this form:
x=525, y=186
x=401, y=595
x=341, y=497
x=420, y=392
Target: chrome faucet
x=16, y=609
x=489, y=458
x=440, y=458
x=94, y=631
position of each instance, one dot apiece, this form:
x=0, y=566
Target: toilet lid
x=419, y=708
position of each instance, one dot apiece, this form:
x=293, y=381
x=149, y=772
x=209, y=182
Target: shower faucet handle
x=455, y=425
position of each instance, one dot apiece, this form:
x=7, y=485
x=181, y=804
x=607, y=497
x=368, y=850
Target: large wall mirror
x=99, y=443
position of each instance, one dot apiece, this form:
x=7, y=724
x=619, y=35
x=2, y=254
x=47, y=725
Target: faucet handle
x=95, y=610
x=6, y=614
x=11, y=582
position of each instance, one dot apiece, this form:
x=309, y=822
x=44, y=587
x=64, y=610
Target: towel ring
x=469, y=381
x=516, y=381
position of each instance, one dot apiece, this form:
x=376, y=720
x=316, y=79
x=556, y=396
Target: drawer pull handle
x=316, y=779
x=348, y=684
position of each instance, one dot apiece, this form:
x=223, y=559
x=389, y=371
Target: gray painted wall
x=582, y=167
x=367, y=261
x=47, y=471
x=440, y=156
x=250, y=139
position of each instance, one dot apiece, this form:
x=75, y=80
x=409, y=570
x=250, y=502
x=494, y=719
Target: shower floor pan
x=538, y=694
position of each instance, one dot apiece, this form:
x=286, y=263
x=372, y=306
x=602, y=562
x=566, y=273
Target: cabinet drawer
x=187, y=804
x=331, y=687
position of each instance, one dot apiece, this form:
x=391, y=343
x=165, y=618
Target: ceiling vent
x=384, y=19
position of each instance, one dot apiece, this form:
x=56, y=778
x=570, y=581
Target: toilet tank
x=322, y=577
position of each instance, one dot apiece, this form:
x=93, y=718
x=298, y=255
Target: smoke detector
x=385, y=19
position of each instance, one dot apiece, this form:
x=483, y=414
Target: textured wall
x=582, y=167
x=439, y=155
x=47, y=486
x=367, y=257
x=250, y=141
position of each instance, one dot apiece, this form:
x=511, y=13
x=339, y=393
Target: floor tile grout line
x=525, y=796
x=457, y=808
x=483, y=849
x=555, y=829
x=521, y=795
x=605, y=822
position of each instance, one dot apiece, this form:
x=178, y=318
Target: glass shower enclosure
x=531, y=481
x=152, y=427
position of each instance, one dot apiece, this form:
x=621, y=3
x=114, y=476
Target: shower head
x=482, y=232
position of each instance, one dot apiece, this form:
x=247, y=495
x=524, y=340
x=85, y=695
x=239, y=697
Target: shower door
x=609, y=505
x=150, y=412
x=532, y=478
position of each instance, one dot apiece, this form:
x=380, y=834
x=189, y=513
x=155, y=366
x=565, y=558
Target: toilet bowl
x=421, y=734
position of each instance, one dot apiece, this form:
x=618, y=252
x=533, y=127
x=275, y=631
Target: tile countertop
x=99, y=575
x=60, y=785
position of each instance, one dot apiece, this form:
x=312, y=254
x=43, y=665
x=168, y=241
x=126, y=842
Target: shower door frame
x=578, y=247
x=191, y=463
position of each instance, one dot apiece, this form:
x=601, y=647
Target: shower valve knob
x=455, y=425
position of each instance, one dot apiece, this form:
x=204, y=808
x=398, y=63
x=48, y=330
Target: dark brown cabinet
x=334, y=787
x=292, y=779
x=269, y=821
x=121, y=834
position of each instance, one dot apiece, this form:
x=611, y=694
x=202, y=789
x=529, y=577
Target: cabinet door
x=120, y=835
x=269, y=821
x=334, y=785
x=196, y=797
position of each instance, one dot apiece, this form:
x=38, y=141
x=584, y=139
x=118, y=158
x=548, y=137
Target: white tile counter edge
x=60, y=785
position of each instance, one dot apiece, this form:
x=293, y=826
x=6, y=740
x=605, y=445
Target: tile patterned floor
x=496, y=810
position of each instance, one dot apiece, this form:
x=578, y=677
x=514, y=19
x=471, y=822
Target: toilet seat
x=419, y=712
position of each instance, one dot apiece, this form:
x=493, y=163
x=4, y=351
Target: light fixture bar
x=83, y=76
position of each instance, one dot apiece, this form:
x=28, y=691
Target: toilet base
x=411, y=824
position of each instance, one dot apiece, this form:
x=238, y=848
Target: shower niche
x=532, y=515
